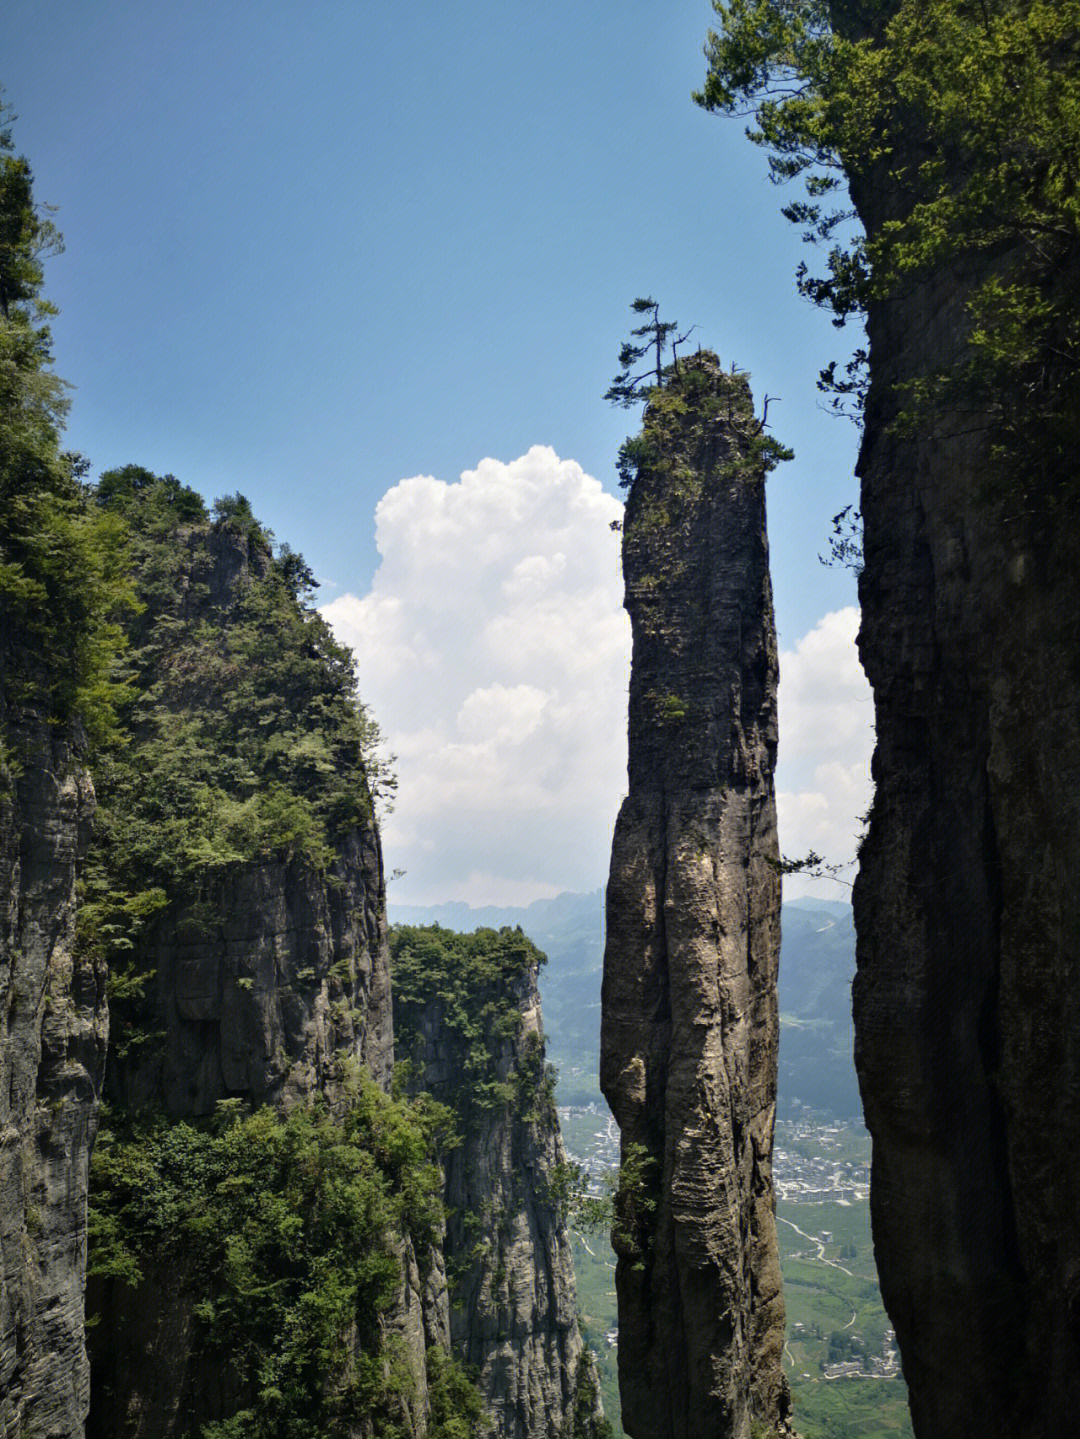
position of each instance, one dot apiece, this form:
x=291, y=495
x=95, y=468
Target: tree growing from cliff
x=993, y=89
x=655, y=336
x=63, y=563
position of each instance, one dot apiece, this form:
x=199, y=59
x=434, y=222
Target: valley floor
x=840, y=1357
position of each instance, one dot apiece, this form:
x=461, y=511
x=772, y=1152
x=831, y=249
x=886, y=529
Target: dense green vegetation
x=684, y=401
x=242, y=738
x=569, y=931
x=956, y=125
x=64, y=581
x=475, y=980
x=285, y=1228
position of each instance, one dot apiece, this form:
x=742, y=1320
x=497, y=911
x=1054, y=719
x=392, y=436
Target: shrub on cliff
x=64, y=581
x=282, y=1232
x=959, y=124
x=242, y=739
x=473, y=982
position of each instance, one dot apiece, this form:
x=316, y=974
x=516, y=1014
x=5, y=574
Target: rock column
x=967, y=997
x=690, y=1028
x=53, y=1027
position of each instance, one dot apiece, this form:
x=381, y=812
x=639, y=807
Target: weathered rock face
x=690, y=1029
x=966, y=1002
x=263, y=974
x=154, y=1379
x=260, y=991
x=263, y=984
x=53, y=1026
x=513, y=1314
x=264, y=977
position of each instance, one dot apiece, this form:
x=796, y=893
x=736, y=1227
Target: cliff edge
x=468, y=1024
x=966, y=1005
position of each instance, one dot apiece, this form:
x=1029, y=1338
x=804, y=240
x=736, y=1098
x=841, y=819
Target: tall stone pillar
x=690, y=1027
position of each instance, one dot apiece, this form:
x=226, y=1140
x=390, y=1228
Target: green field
x=594, y=1269
x=834, y=1311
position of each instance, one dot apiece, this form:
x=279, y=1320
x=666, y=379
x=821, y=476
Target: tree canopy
x=63, y=562
x=656, y=336
x=956, y=124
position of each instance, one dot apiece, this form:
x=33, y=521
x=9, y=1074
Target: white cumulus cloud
x=826, y=740
x=494, y=651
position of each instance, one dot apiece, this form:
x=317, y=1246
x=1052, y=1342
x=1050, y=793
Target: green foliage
x=625, y=1208
x=63, y=565
x=456, y=1409
x=684, y=402
x=693, y=401
x=960, y=121
x=846, y=541
x=627, y=389
x=533, y=1081
x=475, y=980
x=282, y=1231
x=670, y=708
x=243, y=739
x=584, y=1423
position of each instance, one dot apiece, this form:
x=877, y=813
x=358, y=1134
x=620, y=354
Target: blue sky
x=315, y=250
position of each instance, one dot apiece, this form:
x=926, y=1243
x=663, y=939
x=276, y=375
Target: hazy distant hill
x=817, y=963
x=816, y=967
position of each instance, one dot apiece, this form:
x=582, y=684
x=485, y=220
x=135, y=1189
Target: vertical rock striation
x=53, y=1026
x=966, y=998
x=261, y=978
x=513, y=1315
x=262, y=970
x=689, y=1036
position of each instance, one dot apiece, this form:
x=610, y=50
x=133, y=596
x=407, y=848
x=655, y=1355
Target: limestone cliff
x=259, y=957
x=237, y=889
x=689, y=1036
x=284, y=1269
x=468, y=1022
x=966, y=1004
x=53, y=1025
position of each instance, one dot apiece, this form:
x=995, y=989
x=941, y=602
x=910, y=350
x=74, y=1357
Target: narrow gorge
x=690, y=1026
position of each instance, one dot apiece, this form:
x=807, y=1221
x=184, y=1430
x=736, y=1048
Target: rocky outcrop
x=513, y=1314
x=153, y=1375
x=53, y=1026
x=273, y=975
x=966, y=1003
x=262, y=980
x=690, y=1028
x=259, y=992
x=262, y=972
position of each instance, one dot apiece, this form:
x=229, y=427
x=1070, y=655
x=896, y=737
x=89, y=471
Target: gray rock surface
x=967, y=1008
x=513, y=1313
x=265, y=977
x=53, y=1027
x=152, y=1379
x=690, y=1026
x=261, y=985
